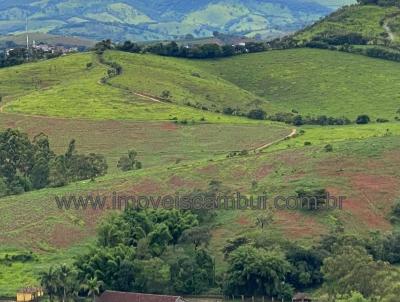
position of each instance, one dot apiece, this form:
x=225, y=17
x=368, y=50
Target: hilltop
x=162, y=19
x=366, y=28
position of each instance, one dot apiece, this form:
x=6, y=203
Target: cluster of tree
x=344, y=265
x=288, y=117
x=27, y=165
x=173, y=49
x=115, y=69
x=152, y=251
x=338, y=39
x=370, y=51
x=165, y=251
x=21, y=55
x=380, y=2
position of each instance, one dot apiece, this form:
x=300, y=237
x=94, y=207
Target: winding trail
x=149, y=97
x=263, y=147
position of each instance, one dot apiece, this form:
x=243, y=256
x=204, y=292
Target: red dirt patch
x=363, y=209
x=147, y=186
x=209, y=170
x=169, y=127
x=64, y=236
x=296, y=225
x=263, y=171
x=177, y=182
x=243, y=220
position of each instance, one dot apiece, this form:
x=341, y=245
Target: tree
x=306, y=266
x=152, y=276
x=92, y=286
x=48, y=280
x=257, y=114
x=363, y=119
x=111, y=265
x=351, y=268
x=353, y=297
x=191, y=272
x=65, y=283
x=257, y=272
x=233, y=244
x=159, y=239
x=198, y=235
x=265, y=219
x=129, y=163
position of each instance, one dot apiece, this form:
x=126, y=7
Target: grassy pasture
x=185, y=81
x=78, y=93
x=316, y=82
x=157, y=143
x=277, y=81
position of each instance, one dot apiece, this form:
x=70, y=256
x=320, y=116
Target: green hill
x=186, y=148
x=316, y=82
x=277, y=81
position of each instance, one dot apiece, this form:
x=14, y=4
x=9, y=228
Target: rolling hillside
x=277, y=81
x=184, y=148
x=161, y=19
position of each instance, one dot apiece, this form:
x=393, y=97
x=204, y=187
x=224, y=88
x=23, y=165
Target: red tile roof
x=113, y=296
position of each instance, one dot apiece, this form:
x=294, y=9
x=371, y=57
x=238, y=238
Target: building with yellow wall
x=29, y=294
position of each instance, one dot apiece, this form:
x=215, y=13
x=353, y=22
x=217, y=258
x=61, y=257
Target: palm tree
x=48, y=280
x=92, y=286
x=63, y=274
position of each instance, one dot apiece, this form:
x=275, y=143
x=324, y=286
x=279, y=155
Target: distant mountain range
x=144, y=20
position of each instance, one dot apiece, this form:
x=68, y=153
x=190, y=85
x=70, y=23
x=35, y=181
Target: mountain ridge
x=161, y=19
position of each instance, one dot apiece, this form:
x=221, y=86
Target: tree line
x=173, y=49
x=27, y=165
x=20, y=55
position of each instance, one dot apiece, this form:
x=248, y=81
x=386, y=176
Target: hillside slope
x=316, y=82
x=162, y=19
x=377, y=24
x=347, y=85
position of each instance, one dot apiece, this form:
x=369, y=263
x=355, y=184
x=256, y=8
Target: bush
x=382, y=120
x=257, y=114
x=363, y=119
x=328, y=148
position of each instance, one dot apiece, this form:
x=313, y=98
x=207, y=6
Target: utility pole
x=27, y=39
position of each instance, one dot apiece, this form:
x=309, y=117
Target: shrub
x=382, y=120
x=307, y=144
x=257, y=114
x=129, y=163
x=363, y=119
x=328, y=148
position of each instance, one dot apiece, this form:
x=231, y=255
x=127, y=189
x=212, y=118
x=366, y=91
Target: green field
x=277, y=81
x=315, y=82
